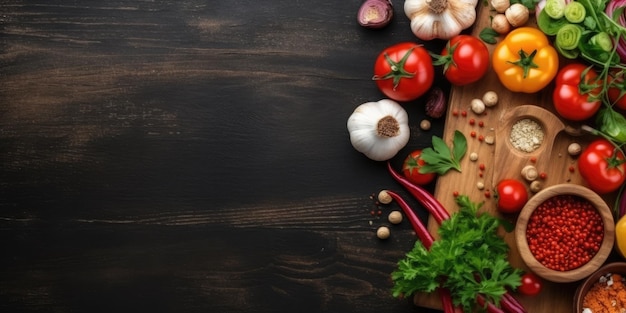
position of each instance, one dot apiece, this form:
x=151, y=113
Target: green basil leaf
x=489, y=35
x=459, y=143
x=613, y=124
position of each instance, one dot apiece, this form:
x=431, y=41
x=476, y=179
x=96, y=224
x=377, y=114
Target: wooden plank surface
x=502, y=161
x=192, y=156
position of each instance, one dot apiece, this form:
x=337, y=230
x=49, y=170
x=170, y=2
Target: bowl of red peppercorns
x=565, y=233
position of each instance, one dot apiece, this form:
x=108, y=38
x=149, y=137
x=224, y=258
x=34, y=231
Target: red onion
x=375, y=13
x=611, y=7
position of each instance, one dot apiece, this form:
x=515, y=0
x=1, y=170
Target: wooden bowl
x=596, y=261
x=581, y=291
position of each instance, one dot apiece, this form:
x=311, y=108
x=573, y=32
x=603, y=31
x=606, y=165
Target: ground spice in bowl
x=526, y=135
x=607, y=295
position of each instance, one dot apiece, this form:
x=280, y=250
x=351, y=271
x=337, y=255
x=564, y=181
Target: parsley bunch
x=469, y=259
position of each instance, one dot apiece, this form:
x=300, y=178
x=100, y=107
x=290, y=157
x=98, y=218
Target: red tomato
x=576, y=92
x=411, y=167
x=602, y=168
x=511, y=195
x=465, y=59
x=617, y=92
x=404, y=71
x=531, y=284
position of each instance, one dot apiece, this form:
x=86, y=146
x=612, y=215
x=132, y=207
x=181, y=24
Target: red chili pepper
x=427, y=240
x=510, y=304
x=491, y=308
x=429, y=201
x=446, y=301
x=422, y=232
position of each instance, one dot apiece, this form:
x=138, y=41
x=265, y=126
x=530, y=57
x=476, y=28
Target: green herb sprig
x=469, y=259
x=440, y=158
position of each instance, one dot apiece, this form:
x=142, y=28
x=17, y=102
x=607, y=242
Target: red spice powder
x=608, y=295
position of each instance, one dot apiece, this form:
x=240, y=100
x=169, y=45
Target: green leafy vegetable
x=612, y=124
x=586, y=31
x=548, y=25
x=555, y=8
x=489, y=35
x=568, y=36
x=469, y=259
x=440, y=159
x=575, y=12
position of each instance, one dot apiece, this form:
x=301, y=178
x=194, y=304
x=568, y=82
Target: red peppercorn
x=543, y=175
x=481, y=138
x=481, y=166
x=455, y=194
x=564, y=232
x=464, y=113
x=472, y=121
x=533, y=159
x=481, y=124
x=455, y=112
x=473, y=134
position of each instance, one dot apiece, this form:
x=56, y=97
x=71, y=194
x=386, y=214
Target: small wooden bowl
x=578, y=273
x=581, y=291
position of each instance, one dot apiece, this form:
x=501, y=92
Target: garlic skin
x=442, y=19
x=379, y=129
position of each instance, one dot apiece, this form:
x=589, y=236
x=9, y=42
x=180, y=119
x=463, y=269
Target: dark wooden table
x=192, y=156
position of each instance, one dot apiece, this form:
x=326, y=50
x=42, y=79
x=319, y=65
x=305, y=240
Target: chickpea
x=395, y=217
x=383, y=232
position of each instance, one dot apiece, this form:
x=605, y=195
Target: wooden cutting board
x=501, y=160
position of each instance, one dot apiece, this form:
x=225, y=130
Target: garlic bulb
x=379, y=129
x=442, y=19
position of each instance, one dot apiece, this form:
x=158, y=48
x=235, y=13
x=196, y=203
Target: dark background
x=192, y=156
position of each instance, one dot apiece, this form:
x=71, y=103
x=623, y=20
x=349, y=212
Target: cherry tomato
x=404, y=71
x=465, y=59
x=576, y=93
x=602, y=167
x=511, y=196
x=411, y=167
x=531, y=284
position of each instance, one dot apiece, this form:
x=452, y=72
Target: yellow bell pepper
x=620, y=236
x=525, y=61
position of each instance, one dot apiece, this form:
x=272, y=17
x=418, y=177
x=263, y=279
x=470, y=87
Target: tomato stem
x=397, y=69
